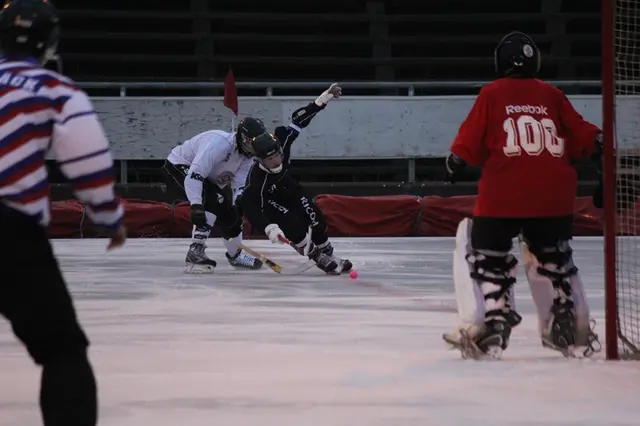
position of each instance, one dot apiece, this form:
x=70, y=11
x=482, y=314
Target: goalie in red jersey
x=525, y=134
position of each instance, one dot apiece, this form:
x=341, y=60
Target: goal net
x=621, y=114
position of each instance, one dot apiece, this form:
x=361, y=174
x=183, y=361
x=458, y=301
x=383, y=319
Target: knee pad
x=551, y=274
x=483, y=281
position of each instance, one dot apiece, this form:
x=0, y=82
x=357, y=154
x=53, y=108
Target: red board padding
x=394, y=215
x=383, y=216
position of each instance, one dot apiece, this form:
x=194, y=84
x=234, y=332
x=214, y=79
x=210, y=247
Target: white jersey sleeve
x=80, y=147
x=240, y=178
x=209, y=153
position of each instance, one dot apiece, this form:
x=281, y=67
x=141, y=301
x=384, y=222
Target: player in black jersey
x=274, y=201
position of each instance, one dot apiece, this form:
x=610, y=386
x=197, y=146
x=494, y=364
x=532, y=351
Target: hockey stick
x=276, y=267
x=279, y=268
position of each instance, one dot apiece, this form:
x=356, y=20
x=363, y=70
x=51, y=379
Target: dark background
x=198, y=40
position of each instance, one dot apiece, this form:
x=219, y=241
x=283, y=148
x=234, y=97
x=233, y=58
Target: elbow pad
x=302, y=116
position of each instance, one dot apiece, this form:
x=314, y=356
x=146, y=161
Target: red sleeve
x=580, y=135
x=469, y=142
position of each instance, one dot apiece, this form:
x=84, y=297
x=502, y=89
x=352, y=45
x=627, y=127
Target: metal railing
x=268, y=87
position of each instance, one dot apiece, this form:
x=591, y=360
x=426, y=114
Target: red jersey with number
x=524, y=133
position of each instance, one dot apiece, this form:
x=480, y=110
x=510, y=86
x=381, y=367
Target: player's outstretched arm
x=303, y=116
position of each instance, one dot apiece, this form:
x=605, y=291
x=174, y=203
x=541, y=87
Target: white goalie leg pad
x=474, y=297
x=543, y=292
x=469, y=297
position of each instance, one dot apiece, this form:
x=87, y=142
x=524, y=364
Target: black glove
x=453, y=165
x=198, y=216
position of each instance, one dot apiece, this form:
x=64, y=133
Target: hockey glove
x=334, y=91
x=198, y=216
x=275, y=234
x=453, y=165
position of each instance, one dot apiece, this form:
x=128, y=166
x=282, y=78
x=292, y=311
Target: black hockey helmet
x=29, y=29
x=248, y=129
x=517, y=55
x=268, y=152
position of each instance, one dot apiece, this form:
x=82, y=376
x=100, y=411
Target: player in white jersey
x=39, y=111
x=199, y=170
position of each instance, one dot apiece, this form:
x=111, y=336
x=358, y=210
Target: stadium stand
x=279, y=41
x=198, y=40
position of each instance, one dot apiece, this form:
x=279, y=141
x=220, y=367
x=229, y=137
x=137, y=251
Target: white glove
x=275, y=234
x=334, y=91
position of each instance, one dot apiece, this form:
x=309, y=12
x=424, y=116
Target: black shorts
x=215, y=200
x=497, y=234
x=33, y=293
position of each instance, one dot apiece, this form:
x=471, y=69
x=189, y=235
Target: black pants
x=35, y=300
x=497, y=234
x=295, y=214
x=214, y=199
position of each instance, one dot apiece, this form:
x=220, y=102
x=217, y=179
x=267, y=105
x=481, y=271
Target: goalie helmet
x=248, y=129
x=517, y=55
x=29, y=29
x=268, y=151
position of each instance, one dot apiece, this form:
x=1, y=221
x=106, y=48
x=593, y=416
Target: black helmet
x=248, y=128
x=266, y=148
x=517, y=55
x=29, y=28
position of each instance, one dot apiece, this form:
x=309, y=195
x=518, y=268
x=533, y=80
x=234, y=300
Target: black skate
x=243, y=260
x=197, y=261
x=325, y=263
x=490, y=343
x=560, y=335
x=344, y=265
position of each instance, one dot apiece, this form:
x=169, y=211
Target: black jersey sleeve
x=254, y=198
x=286, y=136
x=299, y=120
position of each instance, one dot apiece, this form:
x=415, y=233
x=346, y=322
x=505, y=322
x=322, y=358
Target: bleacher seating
x=392, y=40
x=283, y=41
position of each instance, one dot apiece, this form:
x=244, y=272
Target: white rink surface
x=255, y=348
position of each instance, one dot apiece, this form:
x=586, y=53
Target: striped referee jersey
x=42, y=111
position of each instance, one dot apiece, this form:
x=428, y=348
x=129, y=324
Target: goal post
x=621, y=168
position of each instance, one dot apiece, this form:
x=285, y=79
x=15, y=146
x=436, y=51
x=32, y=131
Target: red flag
x=231, y=93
